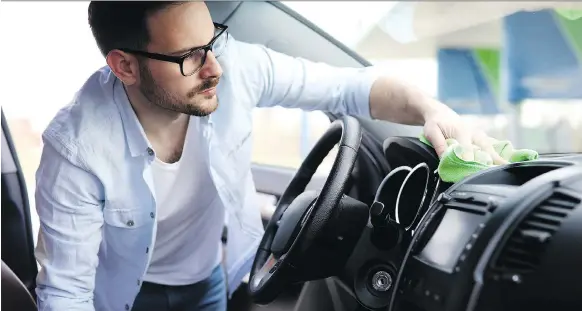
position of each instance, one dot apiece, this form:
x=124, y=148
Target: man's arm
x=68, y=205
x=397, y=101
x=292, y=82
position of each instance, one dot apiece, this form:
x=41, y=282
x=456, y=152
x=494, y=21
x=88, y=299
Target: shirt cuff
x=361, y=92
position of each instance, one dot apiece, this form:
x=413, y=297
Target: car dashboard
x=504, y=238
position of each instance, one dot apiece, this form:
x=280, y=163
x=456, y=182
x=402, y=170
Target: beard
x=159, y=97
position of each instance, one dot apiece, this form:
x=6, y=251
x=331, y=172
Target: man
x=139, y=173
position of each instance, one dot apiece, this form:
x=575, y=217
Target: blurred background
x=515, y=73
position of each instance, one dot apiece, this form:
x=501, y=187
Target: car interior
x=381, y=231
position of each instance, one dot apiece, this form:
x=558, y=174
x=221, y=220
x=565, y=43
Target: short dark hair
x=123, y=24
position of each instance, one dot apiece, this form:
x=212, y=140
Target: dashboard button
x=417, y=286
x=275, y=267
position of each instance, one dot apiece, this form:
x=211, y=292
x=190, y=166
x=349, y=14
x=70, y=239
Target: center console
x=491, y=228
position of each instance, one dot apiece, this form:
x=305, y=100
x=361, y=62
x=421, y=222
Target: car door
x=17, y=239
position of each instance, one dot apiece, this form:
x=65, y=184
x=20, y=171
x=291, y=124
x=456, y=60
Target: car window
x=283, y=137
x=546, y=125
x=43, y=64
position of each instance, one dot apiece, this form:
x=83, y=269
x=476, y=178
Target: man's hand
x=444, y=123
x=396, y=101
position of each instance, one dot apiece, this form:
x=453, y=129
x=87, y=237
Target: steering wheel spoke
x=265, y=271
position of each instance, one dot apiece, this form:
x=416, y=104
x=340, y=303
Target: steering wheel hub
x=291, y=221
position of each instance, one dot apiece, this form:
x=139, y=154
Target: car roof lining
x=222, y=11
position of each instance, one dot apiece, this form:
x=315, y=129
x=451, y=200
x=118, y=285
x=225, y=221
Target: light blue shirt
x=95, y=194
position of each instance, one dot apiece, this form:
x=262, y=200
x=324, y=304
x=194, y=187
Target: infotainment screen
x=445, y=246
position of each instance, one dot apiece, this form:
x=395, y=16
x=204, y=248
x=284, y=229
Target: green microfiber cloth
x=453, y=167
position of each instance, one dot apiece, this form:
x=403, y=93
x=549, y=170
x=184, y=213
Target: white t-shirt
x=190, y=217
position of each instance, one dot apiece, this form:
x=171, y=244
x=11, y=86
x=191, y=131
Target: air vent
x=469, y=202
x=524, y=249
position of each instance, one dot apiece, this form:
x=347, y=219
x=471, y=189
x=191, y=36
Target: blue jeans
x=206, y=295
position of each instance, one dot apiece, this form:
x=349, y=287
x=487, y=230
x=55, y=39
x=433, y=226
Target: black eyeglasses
x=194, y=59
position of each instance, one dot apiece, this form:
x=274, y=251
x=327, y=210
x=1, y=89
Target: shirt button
x=150, y=151
x=152, y=214
x=138, y=282
x=147, y=250
x=130, y=223
x=126, y=307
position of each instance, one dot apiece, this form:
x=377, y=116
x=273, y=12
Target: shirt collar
x=134, y=133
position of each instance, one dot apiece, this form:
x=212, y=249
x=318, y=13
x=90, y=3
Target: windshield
x=460, y=52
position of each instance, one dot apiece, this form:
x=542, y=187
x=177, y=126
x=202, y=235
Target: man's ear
x=124, y=65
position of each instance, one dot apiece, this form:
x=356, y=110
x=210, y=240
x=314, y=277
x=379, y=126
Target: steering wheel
x=304, y=240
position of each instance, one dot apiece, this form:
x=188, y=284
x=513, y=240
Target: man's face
x=173, y=31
